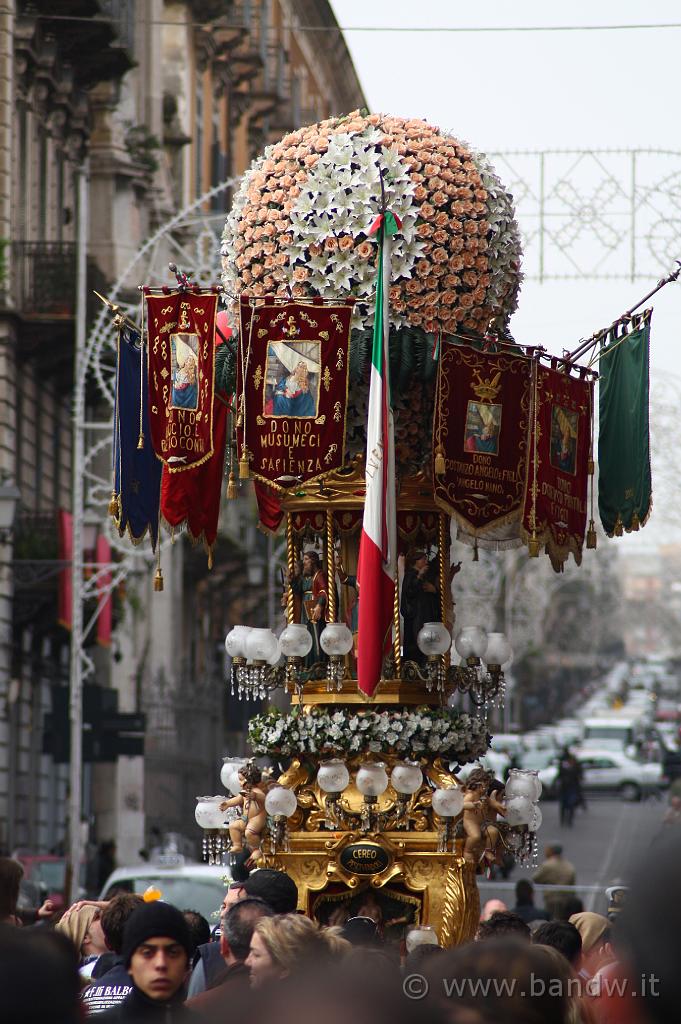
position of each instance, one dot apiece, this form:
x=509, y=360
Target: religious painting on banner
x=480, y=436
x=555, y=507
x=292, y=388
x=181, y=328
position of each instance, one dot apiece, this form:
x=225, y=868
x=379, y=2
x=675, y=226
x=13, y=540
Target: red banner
x=292, y=389
x=555, y=508
x=181, y=347
x=65, y=599
x=480, y=437
x=105, y=620
x=193, y=499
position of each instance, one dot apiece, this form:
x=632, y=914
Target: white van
x=612, y=732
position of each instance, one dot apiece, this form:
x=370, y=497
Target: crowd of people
x=128, y=960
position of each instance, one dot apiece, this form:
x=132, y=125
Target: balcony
x=43, y=280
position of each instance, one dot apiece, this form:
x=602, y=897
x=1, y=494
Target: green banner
x=624, y=480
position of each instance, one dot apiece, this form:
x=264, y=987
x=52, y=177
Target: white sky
x=537, y=91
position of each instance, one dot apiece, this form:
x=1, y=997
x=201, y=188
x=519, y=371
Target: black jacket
x=109, y=990
x=139, y=1008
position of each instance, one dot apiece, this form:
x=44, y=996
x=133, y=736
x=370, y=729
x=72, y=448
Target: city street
x=603, y=842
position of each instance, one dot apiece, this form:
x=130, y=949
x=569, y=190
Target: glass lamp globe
x=336, y=639
x=519, y=810
x=406, y=777
x=208, y=813
x=448, y=802
x=229, y=770
x=372, y=778
x=281, y=801
x=295, y=641
x=433, y=639
x=498, y=651
x=261, y=645
x=235, y=641
x=333, y=776
x=471, y=642
x=523, y=783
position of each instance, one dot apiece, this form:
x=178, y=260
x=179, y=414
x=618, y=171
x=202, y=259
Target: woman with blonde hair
x=287, y=943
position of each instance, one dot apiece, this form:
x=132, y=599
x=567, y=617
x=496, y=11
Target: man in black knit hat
x=156, y=950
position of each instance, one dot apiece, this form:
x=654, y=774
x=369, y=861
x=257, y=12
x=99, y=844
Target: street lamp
x=9, y=501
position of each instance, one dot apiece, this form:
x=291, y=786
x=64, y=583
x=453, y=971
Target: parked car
x=493, y=761
x=609, y=771
x=188, y=886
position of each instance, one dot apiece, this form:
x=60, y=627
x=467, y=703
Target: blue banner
x=137, y=471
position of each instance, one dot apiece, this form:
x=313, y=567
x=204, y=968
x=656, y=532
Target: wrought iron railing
x=43, y=278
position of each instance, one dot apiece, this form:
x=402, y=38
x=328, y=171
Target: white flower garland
x=409, y=733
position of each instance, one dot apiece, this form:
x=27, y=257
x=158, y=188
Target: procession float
x=362, y=378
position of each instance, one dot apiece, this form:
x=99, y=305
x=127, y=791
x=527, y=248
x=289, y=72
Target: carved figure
x=249, y=826
x=480, y=808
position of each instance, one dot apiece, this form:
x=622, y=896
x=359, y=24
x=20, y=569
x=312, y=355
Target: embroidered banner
x=480, y=438
x=292, y=389
x=625, y=493
x=555, y=507
x=181, y=328
x=137, y=471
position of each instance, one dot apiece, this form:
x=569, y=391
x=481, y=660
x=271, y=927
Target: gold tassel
x=232, y=487
x=619, y=528
x=533, y=546
x=439, y=461
x=244, y=465
x=158, y=580
x=140, y=442
x=591, y=467
x=114, y=505
x=635, y=523
x=591, y=538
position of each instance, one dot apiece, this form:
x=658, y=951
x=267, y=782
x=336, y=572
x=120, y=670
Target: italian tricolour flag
x=377, y=548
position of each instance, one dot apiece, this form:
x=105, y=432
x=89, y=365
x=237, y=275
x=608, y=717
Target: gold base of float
x=397, y=868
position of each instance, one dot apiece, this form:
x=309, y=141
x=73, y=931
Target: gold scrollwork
x=340, y=359
x=337, y=412
x=166, y=328
x=326, y=378
x=260, y=421
x=337, y=322
x=333, y=448
x=321, y=420
x=257, y=378
x=262, y=332
x=308, y=319
x=165, y=311
x=324, y=335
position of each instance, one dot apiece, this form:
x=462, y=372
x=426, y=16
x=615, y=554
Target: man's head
x=524, y=892
x=563, y=936
x=199, y=929
x=503, y=922
x=553, y=850
x=237, y=928
x=310, y=563
x=274, y=887
x=114, y=917
x=156, y=948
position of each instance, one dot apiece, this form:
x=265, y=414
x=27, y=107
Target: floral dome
x=302, y=215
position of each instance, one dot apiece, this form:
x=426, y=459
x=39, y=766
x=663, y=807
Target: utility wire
x=420, y=29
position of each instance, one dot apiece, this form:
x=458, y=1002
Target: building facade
x=156, y=102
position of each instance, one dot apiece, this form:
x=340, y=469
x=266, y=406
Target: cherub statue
x=480, y=809
x=249, y=826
